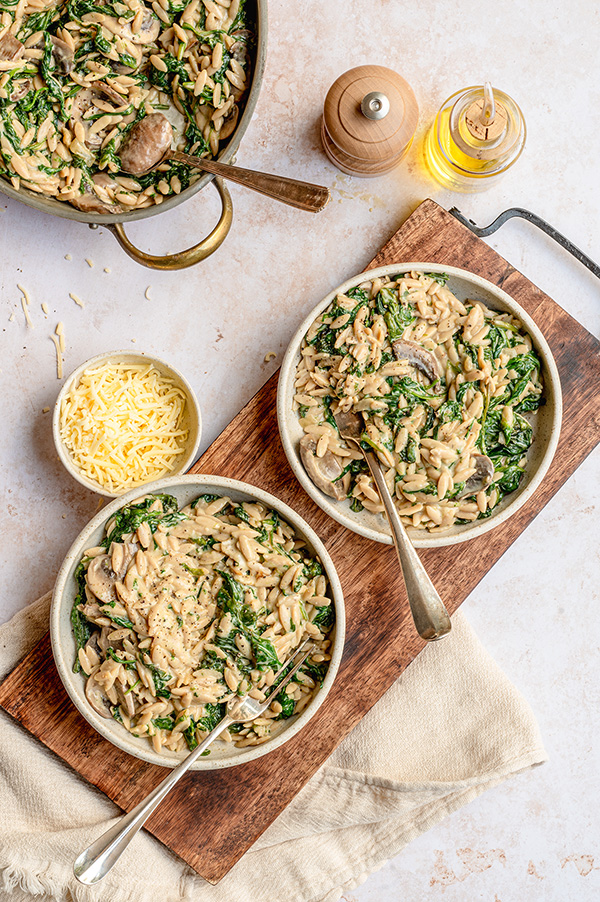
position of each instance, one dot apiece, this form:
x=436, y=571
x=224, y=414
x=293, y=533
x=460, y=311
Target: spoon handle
x=302, y=195
x=96, y=861
x=431, y=618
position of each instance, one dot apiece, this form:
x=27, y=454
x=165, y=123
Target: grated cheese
x=60, y=331
x=77, y=300
x=25, y=301
x=89, y=262
x=123, y=425
x=45, y=308
x=147, y=293
x=59, y=363
x=26, y=312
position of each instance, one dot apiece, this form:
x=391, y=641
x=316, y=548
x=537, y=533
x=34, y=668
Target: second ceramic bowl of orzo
x=458, y=392
x=170, y=603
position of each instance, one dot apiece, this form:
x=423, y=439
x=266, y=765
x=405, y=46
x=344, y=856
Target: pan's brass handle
x=192, y=255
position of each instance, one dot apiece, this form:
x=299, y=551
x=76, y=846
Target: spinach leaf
x=120, y=621
x=81, y=626
x=358, y=294
x=521, y=438
x=449, y=410
x=264, y=654
x=133, y=515
x=316, y=671
x=498, y=341
x=204, y=498
x=164, y=723
x=325, y=618
x=354, y=468
x=241, y=514
x=312, y=568
x=356, y=505
x=127, y=664
x=409, y=452
x=440, y=277
x=324, y=341
x=461, y=391
x=190, y=736
x=212, y=715
x=397, y=316
x=510, y=479
x=287, y=705
x=160, y=678
x=412, y=391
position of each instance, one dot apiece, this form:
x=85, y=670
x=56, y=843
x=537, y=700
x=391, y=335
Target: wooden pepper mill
x=369, y=120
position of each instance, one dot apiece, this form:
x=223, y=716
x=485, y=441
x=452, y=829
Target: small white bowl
x=547, y=423
x=185, y=489
x=192, y=417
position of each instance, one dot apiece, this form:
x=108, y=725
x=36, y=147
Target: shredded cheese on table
x=123, y=425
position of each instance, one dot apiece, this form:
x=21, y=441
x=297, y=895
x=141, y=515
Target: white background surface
x=537, y=837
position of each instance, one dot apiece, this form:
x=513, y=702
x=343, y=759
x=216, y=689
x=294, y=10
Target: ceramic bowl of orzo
x=458, y=391
x=175, y=599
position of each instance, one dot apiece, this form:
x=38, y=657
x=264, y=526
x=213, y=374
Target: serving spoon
x=148, y=144
x=94, y=863
x=429, y=613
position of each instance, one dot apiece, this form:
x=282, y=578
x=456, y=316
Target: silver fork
x=429, y=613
x=96, y=861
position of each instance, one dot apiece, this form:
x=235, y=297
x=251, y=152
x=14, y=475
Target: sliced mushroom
x=83, y=103
x=113, y=95
x=20, y=90
x=229, y=125
x=91, y=203
x=101, y=578
x=10, y=48
x=147, y=33
x=96, y=697
x=126, y=699
x=92, y=609
x=121, y=555
x=322, y=470
x=62, y=54
x=239, y=49
x=135, y=51
x=481, y=478
x=146, y=144
x=94, y=643
x=416, y=356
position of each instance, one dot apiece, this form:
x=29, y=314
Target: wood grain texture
x=230, y=809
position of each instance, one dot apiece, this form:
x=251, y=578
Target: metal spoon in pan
x=148, y=144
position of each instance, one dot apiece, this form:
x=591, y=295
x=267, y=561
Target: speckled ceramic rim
x=185, y=488
x=193, y=416
x=374, y=526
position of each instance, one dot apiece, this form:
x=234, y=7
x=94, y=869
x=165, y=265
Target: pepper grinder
x=369, y=120
x=477, y=135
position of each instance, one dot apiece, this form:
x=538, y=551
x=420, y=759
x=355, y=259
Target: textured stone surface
x=537, y=837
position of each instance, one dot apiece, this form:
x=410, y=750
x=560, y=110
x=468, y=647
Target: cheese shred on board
x=124, y=425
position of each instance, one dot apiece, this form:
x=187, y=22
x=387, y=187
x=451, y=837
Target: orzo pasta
x=77, y=75
x=445, y=388
x=180, y=610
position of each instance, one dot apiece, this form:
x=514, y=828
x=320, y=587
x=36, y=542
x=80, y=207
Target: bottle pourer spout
x=488, y=113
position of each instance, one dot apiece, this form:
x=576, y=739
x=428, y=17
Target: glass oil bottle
x=477, y=135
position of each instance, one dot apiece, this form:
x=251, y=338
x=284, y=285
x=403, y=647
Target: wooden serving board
x=211, y=819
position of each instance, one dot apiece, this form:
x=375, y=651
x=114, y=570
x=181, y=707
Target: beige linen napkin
x=449, y=728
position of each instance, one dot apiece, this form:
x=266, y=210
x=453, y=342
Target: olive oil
x=477, y=135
